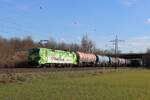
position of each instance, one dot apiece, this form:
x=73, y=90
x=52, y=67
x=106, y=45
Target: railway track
x=29, y=70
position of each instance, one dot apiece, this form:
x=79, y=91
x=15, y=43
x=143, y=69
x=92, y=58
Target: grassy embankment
x=128, y=85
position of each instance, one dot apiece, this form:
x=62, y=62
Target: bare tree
x=74, y=47
x=9, y=48
x=87, y=45
x=52, y=44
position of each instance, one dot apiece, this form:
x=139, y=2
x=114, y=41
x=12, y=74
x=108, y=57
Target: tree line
x=13, y=51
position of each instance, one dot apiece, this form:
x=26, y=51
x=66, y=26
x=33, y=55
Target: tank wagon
x=113, y=61
x=103, y=61
x=60, y=58
x=85, y=59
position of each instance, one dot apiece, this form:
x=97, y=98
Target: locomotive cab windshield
x=33, y=55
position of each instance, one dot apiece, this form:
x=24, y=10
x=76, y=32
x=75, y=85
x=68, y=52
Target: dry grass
x=120, y=85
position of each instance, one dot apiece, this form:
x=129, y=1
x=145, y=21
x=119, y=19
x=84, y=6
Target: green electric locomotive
x=44, y=56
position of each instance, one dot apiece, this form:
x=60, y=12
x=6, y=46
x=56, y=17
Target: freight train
x=60, y=58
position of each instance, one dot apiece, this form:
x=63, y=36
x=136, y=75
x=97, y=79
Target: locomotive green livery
x=42, y=56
